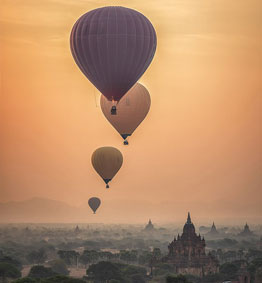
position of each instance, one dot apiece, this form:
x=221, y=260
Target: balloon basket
x=113, y=110
x=126, y=142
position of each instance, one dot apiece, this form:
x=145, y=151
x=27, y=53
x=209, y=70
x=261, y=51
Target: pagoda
x=246, y=232
x=187, y=253
x=213, y=231
x=77, y=230
x=149, y=226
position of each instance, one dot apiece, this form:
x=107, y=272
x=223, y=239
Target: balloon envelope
x=113, y=47
x=107, y=161
x=94, y=203
x=131, y=110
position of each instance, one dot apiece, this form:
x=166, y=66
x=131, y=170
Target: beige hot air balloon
x=107, y=161
x=131, y=110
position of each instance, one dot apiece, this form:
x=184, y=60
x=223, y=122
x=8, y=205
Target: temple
x=187, y=253
x=77, y=230
x=246, y=232
x=213, y=231
x=149, y=226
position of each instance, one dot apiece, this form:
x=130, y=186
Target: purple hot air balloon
x=113, y=47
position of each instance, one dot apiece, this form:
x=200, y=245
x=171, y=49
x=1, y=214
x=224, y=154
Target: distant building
x=187, y=253
x=246, y=232
x=213, y=231
x=77, y=230
x=243, y=276
x=149, y=226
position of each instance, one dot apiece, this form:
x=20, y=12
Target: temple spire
x=246, y=228
x=188, y=218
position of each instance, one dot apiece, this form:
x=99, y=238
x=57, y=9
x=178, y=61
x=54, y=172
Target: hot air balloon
x=113, y=47
x=94, y=203
x=131, y=110
x=107, y=161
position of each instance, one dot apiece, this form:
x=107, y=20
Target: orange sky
x=199, y=145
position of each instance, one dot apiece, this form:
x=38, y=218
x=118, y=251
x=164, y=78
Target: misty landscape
x=100, y=252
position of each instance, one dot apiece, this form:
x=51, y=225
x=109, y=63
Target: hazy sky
x=198, y=149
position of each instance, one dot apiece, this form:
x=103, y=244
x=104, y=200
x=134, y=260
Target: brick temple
x=187, y=253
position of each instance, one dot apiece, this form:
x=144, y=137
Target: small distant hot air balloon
x=113, y=47
x=94, y=203
x=131, y=110
x=107, y=161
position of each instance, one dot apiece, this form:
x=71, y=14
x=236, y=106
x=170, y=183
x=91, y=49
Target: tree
x=40, y=271
x=69, y=257
x=163, y=269
x=177, y=279
x=10, y=260
x=106, y=255
x=89, y=256
x=145, y=258
x=230, y=256
x=157, y=253
x=129, y=270
x=8, y=270
x=213, y=278
x=255, y=265
x=240, y=254
x=26, y=280
x=62, y=279
x=128, y=256
x=137, y=278
x=155, y=258
x=104, y=271
x=59, y=267
x=254, y=254
x=55, y=279
x=229, y=270
x=37, y=256
x=139, y=243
